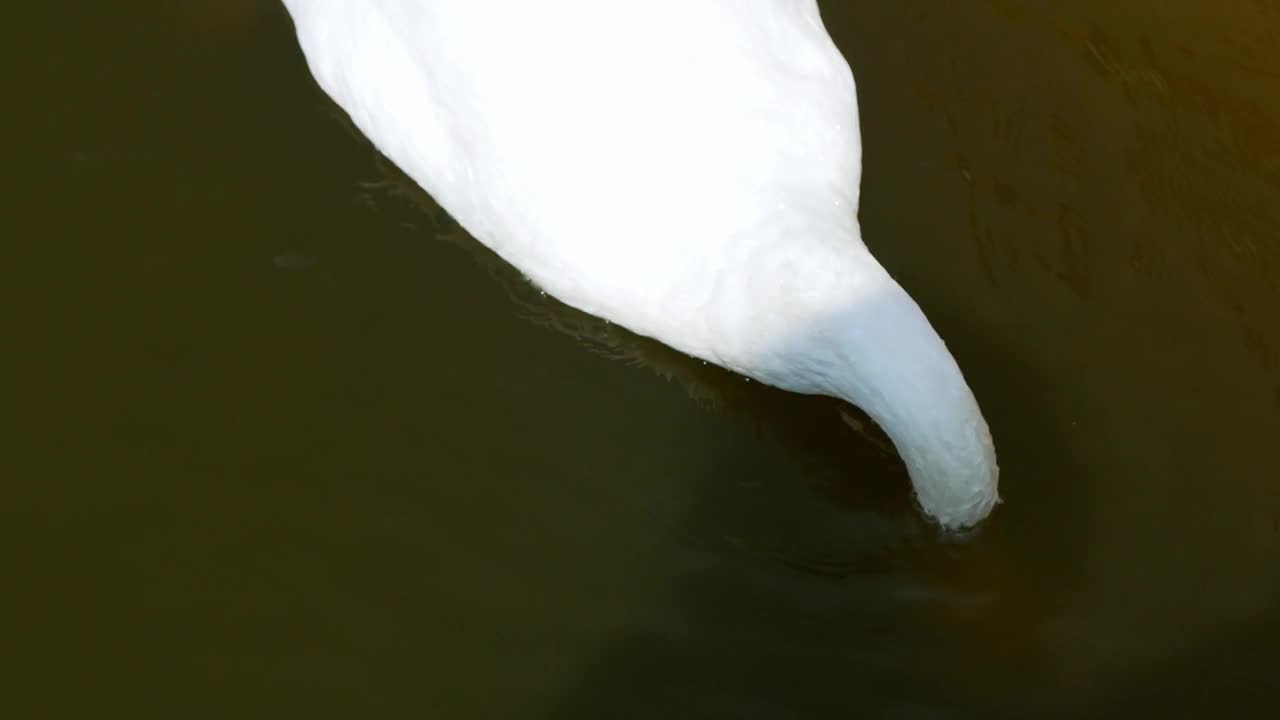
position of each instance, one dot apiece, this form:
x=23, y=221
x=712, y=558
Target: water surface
x=285, y=442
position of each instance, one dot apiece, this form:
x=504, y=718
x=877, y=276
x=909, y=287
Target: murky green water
x=284, y=443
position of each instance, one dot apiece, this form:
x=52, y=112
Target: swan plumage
x=688, y=169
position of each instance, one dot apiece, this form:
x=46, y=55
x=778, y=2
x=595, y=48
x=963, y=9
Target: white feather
x=688, y=169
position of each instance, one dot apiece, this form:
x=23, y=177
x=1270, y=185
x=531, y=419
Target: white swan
x=688, y=169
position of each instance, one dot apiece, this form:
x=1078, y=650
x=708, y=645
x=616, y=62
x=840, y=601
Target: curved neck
x=890, y=362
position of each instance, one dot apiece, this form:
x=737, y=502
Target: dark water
x=282, y=442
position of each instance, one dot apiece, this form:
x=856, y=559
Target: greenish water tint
x=283, y=442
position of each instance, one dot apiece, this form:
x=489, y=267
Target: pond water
x=285, y=442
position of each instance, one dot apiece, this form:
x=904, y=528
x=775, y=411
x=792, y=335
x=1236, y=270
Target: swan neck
x=902, y=374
